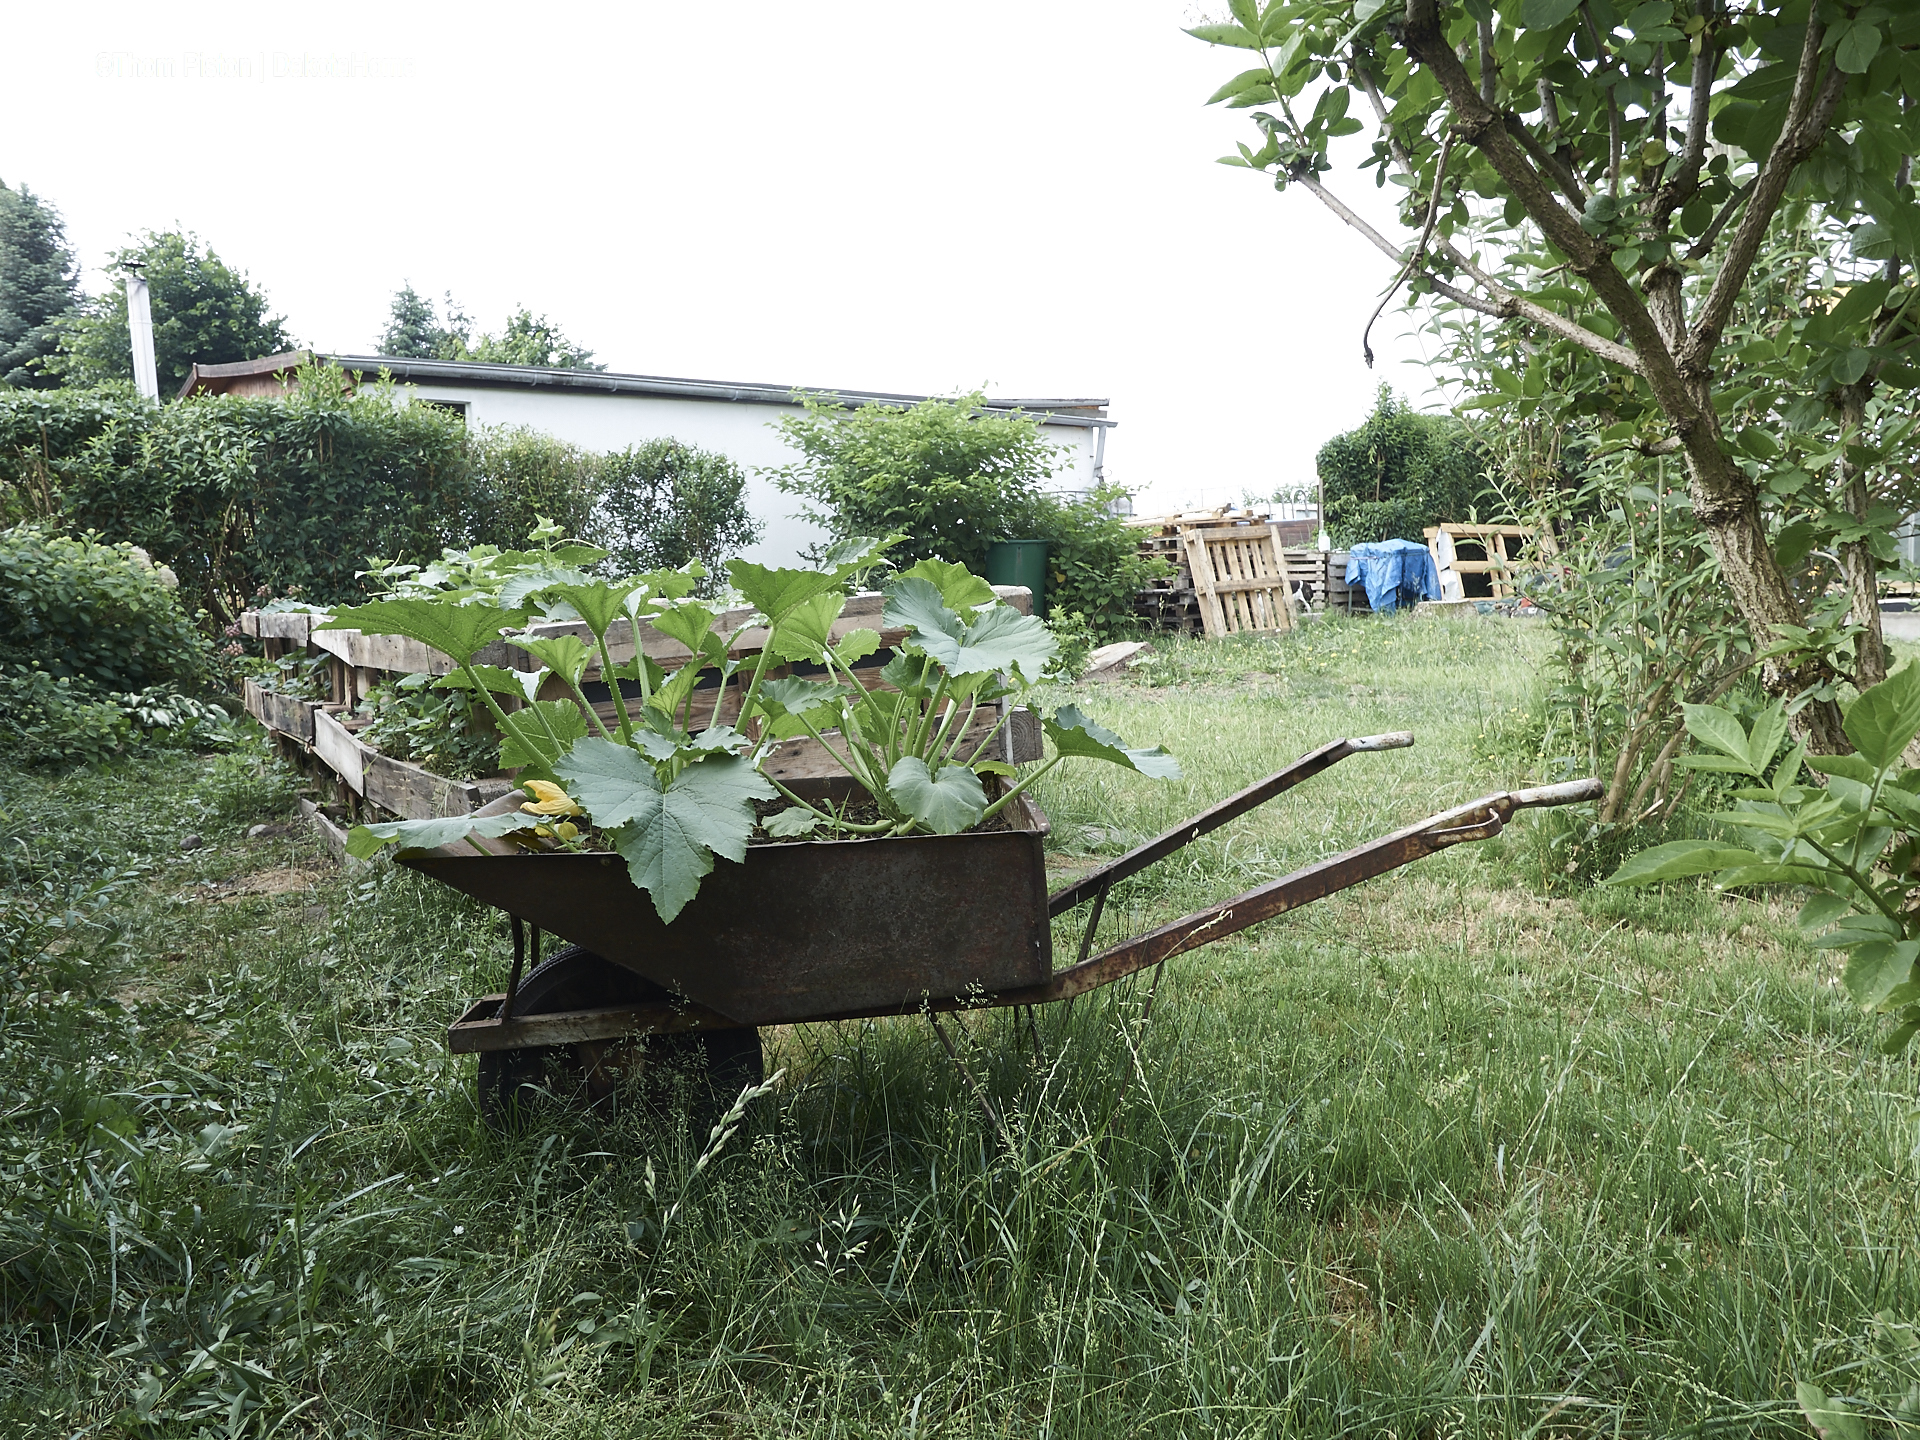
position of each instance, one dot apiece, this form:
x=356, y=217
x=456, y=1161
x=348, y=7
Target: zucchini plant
x=669, y=797
x=1852, y=839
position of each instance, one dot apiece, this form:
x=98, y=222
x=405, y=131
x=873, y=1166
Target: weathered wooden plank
x=335, y=837
x=285, y=713
x=414, y=793
x=294, y=626
x=344, y=754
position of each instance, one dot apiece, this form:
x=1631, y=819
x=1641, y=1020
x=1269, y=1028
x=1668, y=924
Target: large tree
x=415, y=330
x=203, y=310
x=531, y=339
x=38, y=285
x=1602, y=177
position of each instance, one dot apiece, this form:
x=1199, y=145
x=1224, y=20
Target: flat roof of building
x=213, y=379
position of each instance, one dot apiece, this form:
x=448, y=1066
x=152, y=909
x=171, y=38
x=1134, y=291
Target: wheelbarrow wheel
x=596, y=1074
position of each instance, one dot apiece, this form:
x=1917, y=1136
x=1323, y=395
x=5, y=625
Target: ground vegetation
x=1443, y=1154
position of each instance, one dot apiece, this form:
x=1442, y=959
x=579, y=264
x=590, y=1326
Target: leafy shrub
x=1398, y=473
x=163, y=713
x=46, y=720
x=1076, y=641
x=517, y=475
x=664, y=503
x=954, y=480
x=243, y=495
x=251, y=496
x=80, y=609
x=950, y=478
x=1094, y=563
x=444, y=731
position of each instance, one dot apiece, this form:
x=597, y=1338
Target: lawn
x=1474, y=1149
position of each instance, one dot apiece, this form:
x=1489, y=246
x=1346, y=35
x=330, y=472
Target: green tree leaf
x=1073, y=733
x=1679, y=858
x=458, y=631
x=1769, y=729
x=667, y=835
x=1821, y=911
x=946, y=802
x=1721, y=729
x=1545, y=14
x=1876, y=968
x=363, y=841
x=1857, y=47
x=1237, y=36
x=1883, y=721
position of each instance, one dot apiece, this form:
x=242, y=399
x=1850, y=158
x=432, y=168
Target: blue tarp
x=1394, y=572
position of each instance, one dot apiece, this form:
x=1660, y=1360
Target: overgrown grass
x=1440, y=1156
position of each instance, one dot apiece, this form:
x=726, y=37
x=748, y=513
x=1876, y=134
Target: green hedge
x=242, y=496
x=1398, y=473
x=245, y=497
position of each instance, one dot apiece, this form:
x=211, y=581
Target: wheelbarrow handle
x=1480, y=819
x=1305, y=768
x=1571, y=793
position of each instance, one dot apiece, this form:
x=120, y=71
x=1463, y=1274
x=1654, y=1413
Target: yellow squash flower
x=549, y=799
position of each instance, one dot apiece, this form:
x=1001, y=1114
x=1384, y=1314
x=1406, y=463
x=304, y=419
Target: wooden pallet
x=1501, y=545
x=1237, y=574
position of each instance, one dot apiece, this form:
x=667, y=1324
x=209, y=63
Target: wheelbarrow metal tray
x=804, y=929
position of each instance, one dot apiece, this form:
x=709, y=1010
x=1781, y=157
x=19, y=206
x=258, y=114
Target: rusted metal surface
x=1234, y=806
x=803, y=928
x=482, y=1028
x=1477, y=820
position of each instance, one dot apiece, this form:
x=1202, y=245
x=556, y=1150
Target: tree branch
x=1703, y=247
x=1588, y=257
x=1685, y=179
x=1379, y=104
x=1515, y=306
x=1501, y=303
x=1419, y=251
x=1808, y=114
x=1551, y=163
x=1489, y=71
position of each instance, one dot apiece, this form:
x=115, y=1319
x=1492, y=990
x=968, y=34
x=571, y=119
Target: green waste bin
x=1020, y=562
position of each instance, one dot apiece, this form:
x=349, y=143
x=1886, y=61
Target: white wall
x=742, y=431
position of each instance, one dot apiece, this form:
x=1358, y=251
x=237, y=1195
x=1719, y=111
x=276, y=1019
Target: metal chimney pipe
x=146, y=375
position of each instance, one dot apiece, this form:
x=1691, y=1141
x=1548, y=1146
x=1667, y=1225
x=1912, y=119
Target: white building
x=600, y=411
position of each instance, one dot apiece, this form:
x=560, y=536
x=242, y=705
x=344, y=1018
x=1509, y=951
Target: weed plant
x=1439, y=1156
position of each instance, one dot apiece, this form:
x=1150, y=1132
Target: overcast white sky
x=915, y=198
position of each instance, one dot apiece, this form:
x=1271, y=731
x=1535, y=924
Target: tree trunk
x=1863, y=572
x=1725, y=502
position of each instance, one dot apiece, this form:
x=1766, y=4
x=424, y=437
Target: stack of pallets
x=1250, y=564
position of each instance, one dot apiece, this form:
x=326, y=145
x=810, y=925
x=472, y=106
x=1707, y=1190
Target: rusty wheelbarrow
x=828, y=930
